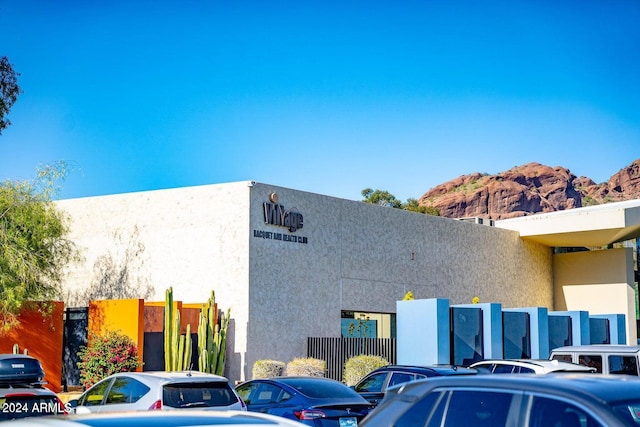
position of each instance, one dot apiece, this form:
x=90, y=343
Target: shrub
x=306, y=366
x=357, y=367
x=267, y=369
x=106, y=355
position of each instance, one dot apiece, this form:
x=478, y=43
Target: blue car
x=317, y=402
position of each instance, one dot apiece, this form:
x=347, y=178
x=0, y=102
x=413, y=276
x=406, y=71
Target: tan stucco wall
x=195, y=239
x=358, y=257
x=600, y=282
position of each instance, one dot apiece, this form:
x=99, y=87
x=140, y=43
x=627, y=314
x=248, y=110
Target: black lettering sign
x=276, y=214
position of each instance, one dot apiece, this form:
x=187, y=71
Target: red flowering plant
x=106, y=355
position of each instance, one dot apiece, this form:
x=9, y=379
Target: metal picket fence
x=337, y=350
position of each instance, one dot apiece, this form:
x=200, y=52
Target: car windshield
x=21, y=406
x=198, y=395
x=321, y=388
x=628, y=410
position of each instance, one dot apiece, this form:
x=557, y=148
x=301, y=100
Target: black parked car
x=527, y=400
x=374, y=385
x=317, y=402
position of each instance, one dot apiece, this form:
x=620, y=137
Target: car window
x=372, y=383
x=399, y=378
x=503, y=369
x=247, y=391
x=198, y=394
x=425, y=412
x=95, y=395
x=126, y=390
x=629, y=411
x=562, y=357
x=623, y=365
x=268, y=393
x=523, y=370
x=476, y=408
x=592, y=360
x=547, y=412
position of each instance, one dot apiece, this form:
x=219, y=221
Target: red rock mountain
x=528, y=189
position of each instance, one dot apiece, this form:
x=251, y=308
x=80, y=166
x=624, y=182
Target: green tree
x=33, y=244
x=9, y=91
x=413, y=206
x=380, y=197
x=384, y=198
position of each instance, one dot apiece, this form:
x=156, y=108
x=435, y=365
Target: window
x=198, y=394
x=422, y=413
x=595, y=361
x=399, y=378
x=95, y=396
x=503, y=369
x=623, y=365
x=562, y=357
x=372, y=384
x=547, y=412
x=126, y=390
x=477, y=408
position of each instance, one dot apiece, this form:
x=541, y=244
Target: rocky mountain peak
x=528, y=189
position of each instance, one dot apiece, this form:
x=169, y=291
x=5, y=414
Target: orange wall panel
x=42, y=337
x=126, y=316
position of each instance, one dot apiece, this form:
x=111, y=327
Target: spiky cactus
x=212, y=338
x=177, y=347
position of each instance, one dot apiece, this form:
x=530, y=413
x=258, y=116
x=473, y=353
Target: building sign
x=276, y=214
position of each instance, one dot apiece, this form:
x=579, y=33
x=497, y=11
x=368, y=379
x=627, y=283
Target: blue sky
x=323, y=96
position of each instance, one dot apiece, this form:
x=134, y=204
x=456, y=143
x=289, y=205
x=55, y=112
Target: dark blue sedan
x=318, y=402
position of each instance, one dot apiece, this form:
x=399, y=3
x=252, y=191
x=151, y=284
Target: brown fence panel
x=337, y=350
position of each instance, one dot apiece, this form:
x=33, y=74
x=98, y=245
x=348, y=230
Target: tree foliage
x=9, y=91
x=384, y=198
x=33, y=244
x=380, y=197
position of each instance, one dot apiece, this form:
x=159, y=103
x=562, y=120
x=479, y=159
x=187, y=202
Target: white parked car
x=158, y=390
x=198, y=418
x=528, y=366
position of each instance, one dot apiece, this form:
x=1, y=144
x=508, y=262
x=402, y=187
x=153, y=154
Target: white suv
x=528, y=366
x=159, y=390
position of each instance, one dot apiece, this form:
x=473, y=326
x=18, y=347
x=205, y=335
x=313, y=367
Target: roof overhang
x=591, y=226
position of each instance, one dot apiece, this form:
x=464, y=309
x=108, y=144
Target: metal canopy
x=591, y=226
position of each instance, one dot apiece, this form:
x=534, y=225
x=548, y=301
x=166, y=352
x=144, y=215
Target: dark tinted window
x=471, y=408
x=126, y=390
x=262, y=394
x=524, y=370
x=423, y=413
x=399, y=378
x=20, y=406
x=547, y=412
x=503, y=369
x=372, y=383
x=623, y=365
x=198, y=395
x=320, y=387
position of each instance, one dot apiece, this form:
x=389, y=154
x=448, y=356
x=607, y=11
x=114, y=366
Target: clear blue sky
x=324, y=96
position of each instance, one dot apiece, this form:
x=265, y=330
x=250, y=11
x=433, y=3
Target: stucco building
x=292, y=264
